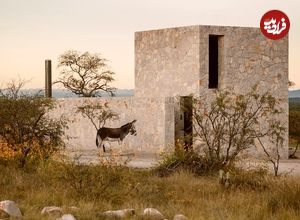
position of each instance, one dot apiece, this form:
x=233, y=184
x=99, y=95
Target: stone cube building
x=175, y=61
x=200, y=59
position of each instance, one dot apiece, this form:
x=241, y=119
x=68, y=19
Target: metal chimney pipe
x=48, y=81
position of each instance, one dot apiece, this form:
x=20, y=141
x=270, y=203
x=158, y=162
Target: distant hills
x=62, y=93
x=294, y=93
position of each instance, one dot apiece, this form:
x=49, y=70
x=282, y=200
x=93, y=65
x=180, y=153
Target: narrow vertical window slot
x=214, y=65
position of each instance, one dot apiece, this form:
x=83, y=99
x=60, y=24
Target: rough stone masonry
x=175, y=62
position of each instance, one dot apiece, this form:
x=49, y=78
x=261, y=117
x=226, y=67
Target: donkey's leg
x=120, y=143
x=103, y=146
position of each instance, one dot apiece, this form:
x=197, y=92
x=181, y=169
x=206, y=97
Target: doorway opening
x=184, y=122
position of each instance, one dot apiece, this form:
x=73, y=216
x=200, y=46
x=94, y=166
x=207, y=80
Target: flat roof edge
x=194, y=26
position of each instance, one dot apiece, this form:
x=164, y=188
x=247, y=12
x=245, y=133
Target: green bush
x=26, y=128
x=230, y=124
x=181, y=159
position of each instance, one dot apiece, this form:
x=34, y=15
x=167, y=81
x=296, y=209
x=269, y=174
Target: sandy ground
x=131, y=160
x=290, y=166
x=287, y=167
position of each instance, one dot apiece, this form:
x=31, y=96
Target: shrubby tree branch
x=85, y=74
x=232, y=122
x=98, y=114
x=24, y=125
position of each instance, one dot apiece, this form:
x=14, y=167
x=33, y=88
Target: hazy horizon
x=32, y=30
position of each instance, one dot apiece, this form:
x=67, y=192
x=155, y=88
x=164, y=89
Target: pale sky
x=34, y=30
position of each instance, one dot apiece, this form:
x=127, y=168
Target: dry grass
x=252, y=195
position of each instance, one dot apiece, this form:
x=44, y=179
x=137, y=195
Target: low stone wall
x=155, y=123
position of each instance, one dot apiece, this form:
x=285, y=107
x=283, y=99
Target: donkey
x=119, y=134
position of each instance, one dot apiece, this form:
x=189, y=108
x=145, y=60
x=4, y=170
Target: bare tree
x=13, y=88
x=97, y=114
x=231, y=123
x=85, y=74
x=276, y=139
x=294, y=129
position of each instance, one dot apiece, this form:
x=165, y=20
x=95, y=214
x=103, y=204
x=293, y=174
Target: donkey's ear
x=133, y=121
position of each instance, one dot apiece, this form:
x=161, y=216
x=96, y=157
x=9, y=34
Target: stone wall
x=167, y=62
x=248, y=58
x=155, y=123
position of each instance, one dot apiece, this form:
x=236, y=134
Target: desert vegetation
x=26, y=130
x=93, y=189
x=34, y=174
x=232, y=123
x=294, y=125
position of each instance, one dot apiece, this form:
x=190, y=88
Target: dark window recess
x=213, y=69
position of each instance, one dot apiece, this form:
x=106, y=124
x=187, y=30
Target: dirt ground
x=288, y=166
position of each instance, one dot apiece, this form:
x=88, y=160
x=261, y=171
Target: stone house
x=184, y=61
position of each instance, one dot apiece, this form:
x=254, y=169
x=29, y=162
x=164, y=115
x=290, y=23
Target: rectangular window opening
x=214, y=61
